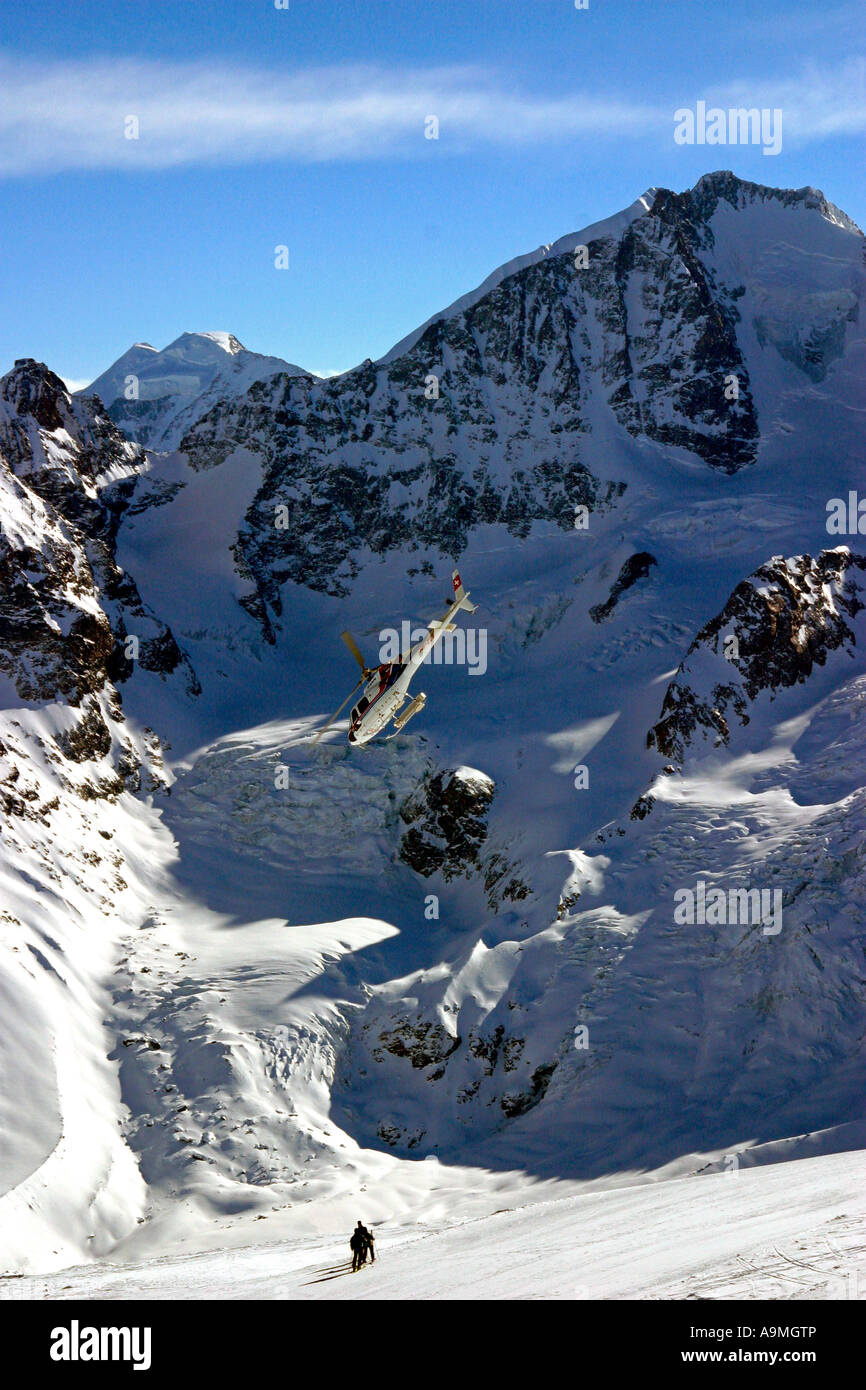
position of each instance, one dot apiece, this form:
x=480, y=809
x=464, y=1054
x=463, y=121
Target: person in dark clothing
x=358, y=1246
x=371, y=1247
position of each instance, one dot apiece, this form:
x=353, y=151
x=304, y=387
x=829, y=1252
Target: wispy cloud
x=817, y=104
x=75, y=115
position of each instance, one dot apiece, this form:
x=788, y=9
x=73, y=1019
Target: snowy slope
x=156, y=395
x=789, y=1232
x=340, y=976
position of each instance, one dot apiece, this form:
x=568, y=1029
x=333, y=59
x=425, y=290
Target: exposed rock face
x=806, y=328
x=635, y=568
x=447, y=819
x=522, y=1101
x=423, y=1043
x=487, y=1073
x=485, y=415
x=368, y=463
x=68, y=824
x=777, y=625
x=89, y=738
x=448, y=823
x=65, y=605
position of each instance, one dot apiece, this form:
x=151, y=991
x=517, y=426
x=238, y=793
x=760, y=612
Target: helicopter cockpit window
x=363, y=704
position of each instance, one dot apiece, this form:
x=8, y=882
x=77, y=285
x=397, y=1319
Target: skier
x=371, y=1247
x=358, y=1245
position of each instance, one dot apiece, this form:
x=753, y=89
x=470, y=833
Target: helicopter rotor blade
x=337, y=712
x=353, y=648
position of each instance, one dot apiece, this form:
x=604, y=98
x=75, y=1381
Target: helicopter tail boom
x=461, y=598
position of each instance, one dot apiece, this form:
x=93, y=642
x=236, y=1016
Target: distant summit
x=227, y=341
x=155, y=396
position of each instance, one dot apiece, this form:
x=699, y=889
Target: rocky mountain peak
x=777, y=625
x=66, y=472
x=32, y=389
x=699, y=203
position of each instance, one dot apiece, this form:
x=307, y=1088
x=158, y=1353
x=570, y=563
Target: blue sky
x=305, y=127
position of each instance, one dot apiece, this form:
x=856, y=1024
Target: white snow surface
x=789, y=1232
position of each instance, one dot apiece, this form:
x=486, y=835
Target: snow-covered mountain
x=597, y=912
x=693, y=317
x=155, y=396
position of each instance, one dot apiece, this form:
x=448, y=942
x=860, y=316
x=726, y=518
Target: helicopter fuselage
x=384, y=696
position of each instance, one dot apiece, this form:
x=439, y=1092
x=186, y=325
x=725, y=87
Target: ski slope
x=788, y=1232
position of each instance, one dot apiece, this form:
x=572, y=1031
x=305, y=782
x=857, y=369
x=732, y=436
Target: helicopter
x=386, y=687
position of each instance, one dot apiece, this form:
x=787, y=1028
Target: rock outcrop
x=775, y=628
